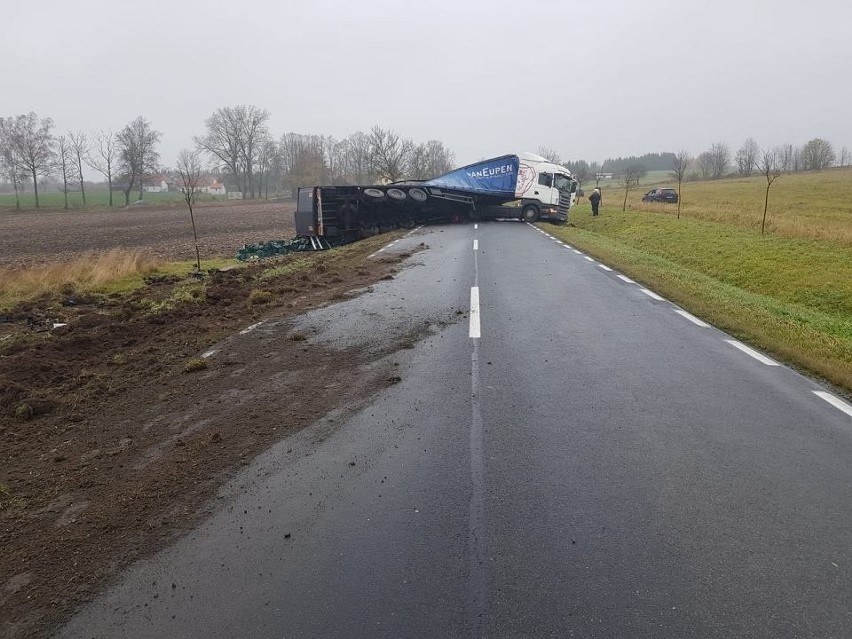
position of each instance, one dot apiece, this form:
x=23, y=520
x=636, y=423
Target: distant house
x=215, y=187
x=208, y=186
x=156, y=184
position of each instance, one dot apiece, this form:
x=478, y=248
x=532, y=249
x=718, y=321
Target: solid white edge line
x=249, y=329
x=626, y=279
x=692, y=318
x=605, y=267
x=590, y=259
x=835, y=401
x=475, y=332
x=752, y=353
x=652, y=295
x=476, y=245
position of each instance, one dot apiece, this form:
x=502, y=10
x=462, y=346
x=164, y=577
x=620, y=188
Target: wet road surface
x=566, y=454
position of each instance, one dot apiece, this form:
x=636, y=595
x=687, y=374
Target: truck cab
x=546, y=190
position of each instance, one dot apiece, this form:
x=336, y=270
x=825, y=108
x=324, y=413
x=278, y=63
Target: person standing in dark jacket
x=595, y=201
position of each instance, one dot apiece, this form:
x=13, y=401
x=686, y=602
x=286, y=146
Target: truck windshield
x=562, y=182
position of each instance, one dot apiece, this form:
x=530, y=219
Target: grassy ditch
x=790, y=296
x=115, y=273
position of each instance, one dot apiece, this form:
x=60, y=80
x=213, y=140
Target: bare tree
x=11, y=167
x=769, y=167
x=266, y=160
x=189, y=169
x=550, y=154
x=785, y=157
x=844, y=156
x=817, y=155
x=746, y=157
x=65, y=163
x=389, y=153
x=254, y=134
x=138, y=156
x=32, y=141
x=418, y=163
x=223, y=142
x=705, y=165
x=720, y=156
x=629, y=180
x=80, y=147
x=680, y=166
x=105, y=157
x=234, y=139
x=439, y=159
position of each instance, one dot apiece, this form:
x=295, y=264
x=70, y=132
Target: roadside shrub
x=24, y=412
x=258, y=296
x=194, y=365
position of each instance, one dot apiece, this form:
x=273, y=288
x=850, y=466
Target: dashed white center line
x=652, y=295
x=692, y=318
x=835, y=401
x=474, y=312
x=249, y=329
x=209, y=353
x=752, y=353
x=626, y=279
x=590, y=259
x=475, y=226
x=578, y=252
x=476, y=245
x=605, y=267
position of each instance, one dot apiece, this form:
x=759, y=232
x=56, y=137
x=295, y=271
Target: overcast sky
x=591, y=80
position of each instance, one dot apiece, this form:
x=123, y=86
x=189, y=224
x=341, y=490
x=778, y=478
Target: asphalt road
x=574, y=457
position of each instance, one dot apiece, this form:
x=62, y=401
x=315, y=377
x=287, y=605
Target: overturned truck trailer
x=523, y=186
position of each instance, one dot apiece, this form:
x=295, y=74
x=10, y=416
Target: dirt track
x=32, y=237
x=108, y=448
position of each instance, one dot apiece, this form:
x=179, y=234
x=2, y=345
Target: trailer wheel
x=418, y=195
x=374, y=195
x=530, y=213
x=398, y=195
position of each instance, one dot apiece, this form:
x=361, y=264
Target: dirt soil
x=110, y=448
x=164, y=231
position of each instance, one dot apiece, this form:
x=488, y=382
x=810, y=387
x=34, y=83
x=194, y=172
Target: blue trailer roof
x=495, y=176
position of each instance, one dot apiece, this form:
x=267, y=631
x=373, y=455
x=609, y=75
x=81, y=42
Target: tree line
x=236, y=145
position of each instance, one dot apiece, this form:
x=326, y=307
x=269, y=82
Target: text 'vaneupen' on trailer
x=523, y=186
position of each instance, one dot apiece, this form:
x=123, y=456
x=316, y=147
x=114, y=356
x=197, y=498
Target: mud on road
x=119, y=448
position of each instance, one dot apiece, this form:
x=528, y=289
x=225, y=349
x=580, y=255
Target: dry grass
x=814, y=205
x=105, y=272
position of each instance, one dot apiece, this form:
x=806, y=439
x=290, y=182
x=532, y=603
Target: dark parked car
x=661, y=195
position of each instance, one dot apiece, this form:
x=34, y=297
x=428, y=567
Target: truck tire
x=374, y=195
x=418, y=195
x=397, y=195
x=530, y=214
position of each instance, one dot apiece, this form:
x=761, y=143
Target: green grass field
x=816, y=205
x=93, y=199
x=788, y=292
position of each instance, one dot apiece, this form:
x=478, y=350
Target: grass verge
x=789, y=296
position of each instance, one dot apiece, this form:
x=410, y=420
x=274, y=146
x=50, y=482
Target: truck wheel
x=530, y=213
x=374, y=195
x=418, y=195
x=398, y=195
